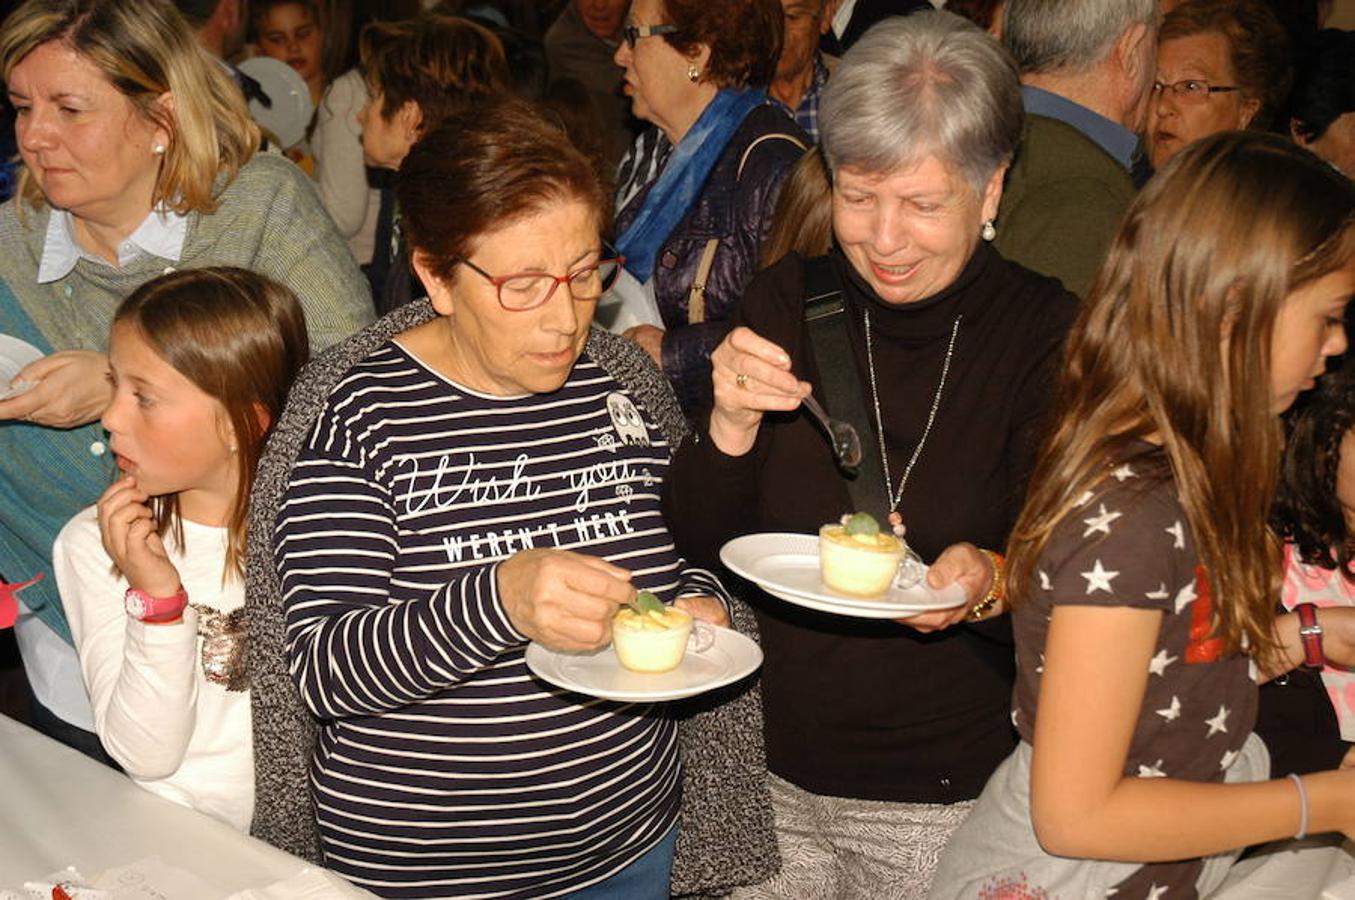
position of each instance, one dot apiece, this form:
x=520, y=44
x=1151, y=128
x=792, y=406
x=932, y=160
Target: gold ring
x=741, y=380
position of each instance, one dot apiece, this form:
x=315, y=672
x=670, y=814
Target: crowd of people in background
x=1077, y=272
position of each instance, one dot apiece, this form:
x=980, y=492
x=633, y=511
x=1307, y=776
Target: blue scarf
x=680, y=183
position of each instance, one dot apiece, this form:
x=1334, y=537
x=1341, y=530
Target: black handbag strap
x=839, y=388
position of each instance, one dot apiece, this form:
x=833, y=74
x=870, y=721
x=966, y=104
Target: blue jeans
x=645, y=879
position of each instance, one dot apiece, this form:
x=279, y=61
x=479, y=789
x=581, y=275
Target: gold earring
x=693, y=73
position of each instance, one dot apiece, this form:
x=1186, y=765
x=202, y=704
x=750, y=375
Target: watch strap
x=1310, y=633
x=155, y=610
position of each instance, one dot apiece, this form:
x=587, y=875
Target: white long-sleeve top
x=174, y=731
x=340, y=173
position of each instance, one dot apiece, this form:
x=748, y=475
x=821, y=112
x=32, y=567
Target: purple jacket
x=737, y=209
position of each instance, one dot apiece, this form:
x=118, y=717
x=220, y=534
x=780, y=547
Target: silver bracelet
x=1303, y=807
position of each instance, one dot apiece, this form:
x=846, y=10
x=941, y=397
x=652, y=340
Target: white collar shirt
x=161, y=234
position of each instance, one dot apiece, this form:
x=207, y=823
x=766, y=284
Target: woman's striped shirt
x=444, y=768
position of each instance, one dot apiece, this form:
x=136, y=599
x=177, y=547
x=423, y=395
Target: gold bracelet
x=996, y=592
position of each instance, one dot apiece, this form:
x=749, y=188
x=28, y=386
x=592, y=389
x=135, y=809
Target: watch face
x=136, y=605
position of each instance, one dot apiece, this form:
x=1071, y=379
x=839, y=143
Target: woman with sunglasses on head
x=696, y=193
x=475, y=472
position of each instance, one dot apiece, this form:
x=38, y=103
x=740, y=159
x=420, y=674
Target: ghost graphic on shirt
x=627, y=421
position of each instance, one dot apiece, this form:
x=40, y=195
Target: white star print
x=1044, y=580
x=1120, y=473
x=1227, y=760
x=1173, y=712
x=1100, y=522
x=1084, y=499
x=1153, y=771
x=1158, y=664
x=1155, y=892
x=1185, y=597
x=1178, y=532
x=1159, y=594
x=1098, y=579
x=1218, y=723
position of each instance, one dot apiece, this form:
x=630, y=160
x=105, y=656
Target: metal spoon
x=846, y=443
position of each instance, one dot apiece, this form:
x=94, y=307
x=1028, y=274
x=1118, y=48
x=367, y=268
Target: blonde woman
x=138, y=157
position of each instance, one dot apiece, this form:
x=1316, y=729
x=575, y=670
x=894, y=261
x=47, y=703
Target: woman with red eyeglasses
x=476, y=472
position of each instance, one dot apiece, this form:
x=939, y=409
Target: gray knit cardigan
x=268, y=220
x=725, y=837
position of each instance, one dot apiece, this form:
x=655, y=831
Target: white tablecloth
x=58, y=808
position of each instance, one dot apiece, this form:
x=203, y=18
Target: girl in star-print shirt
x=1142, y=576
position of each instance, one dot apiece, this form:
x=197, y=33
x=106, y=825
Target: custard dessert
x=858, y=559
x=650, y=637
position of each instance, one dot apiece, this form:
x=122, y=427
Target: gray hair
x=1069, y=35
x=927, y=84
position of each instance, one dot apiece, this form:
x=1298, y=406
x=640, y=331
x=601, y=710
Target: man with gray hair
x=1087, y=70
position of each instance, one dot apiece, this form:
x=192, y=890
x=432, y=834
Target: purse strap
x=839, y=388
x=696, y=297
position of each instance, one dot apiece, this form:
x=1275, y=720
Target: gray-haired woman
x=880, y=734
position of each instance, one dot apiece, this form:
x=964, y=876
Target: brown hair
x=145, y=50
x=440, y=63
x=1174, y=345
x=259, y=10
x=803, y=220
x=1258, y=47
x=241, y=338
x=500, y=162
x=744, y=37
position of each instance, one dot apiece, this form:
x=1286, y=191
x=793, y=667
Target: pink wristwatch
x=155, y=610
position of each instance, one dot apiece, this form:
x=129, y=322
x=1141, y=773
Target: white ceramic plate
x=14, y=355
x=292, y=108
x=787, y=566
x=729, y=658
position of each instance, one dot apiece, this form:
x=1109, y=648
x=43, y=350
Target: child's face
x=1308, y=329
x=167, y=432
x=289, y=33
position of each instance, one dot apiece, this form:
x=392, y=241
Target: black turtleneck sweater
x=864, y=708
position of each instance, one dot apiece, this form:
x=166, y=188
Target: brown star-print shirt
x=1127, y=543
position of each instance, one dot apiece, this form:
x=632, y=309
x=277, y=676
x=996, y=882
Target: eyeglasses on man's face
x=633, y=33
x=1193, y=90
x=522, y=291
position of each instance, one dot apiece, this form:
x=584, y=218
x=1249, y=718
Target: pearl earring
x=158, y=149
x=693, y=73
x=989, y=231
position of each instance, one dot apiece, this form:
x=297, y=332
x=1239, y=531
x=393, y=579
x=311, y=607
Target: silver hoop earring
x=693, y=73
x=989, y=231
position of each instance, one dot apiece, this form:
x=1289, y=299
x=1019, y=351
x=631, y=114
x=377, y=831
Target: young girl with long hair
x=1315, y=514
x=152, y=577
x=1143, y=573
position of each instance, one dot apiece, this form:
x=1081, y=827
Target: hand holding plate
x=961, y=564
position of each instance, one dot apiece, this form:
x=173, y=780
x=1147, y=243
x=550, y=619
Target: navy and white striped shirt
x=444, y=767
